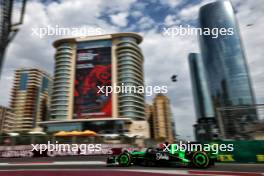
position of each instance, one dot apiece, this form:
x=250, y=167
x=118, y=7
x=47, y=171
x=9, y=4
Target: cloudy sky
x=164, y=56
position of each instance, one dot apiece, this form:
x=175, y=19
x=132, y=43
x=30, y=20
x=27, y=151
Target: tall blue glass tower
x=202, y=97
x=225, y=64
x=206, y=128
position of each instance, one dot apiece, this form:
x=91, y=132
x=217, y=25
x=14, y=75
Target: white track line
x=55, y=163
x=65, y=163
x=182, y=172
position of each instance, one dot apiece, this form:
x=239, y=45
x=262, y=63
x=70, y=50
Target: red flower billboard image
x=93, y=69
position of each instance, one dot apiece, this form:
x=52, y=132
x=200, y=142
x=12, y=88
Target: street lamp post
x=8, y=28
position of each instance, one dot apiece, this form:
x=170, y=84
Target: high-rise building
x=7, y=118
x=149, y=118
x=30, y=98
x=8, y=27
x=206, y=127
x=83, y=66
x=148, y=110
x=161, y=121
x=226, y=67
x=202, y=97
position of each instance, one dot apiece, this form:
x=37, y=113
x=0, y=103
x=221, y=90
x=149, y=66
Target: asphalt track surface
x=95, y=166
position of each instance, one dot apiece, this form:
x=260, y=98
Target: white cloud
x=120, y=19
x=171, y=3
x=140, y=5
x=136, y=14
x=171, y=20
x=145, y=22
x=116, y=5
x=191, y=11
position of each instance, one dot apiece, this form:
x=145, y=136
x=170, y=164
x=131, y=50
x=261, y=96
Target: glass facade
x=61, y=87
x=226, y=69
x=23, y=81
x=130, y=73
x=45, y=84
x=224, y=57
x=201, y=93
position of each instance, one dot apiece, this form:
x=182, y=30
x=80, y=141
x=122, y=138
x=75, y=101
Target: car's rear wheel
x=200, y=160
x=124, y=159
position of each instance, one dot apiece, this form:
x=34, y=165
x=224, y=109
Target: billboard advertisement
x=93, y=69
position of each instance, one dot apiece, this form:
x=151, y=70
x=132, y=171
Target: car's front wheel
x=200, y=160
x=124, y=159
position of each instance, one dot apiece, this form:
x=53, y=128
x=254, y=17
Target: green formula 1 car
x=159, y=157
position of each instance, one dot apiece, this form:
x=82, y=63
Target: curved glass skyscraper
x=62, y=78
x=85, y=68
x=224, y=57
x=225, y=63
x=130, y=73
x=83, y=64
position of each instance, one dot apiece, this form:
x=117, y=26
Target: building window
x=45, y=84
x=23, y=81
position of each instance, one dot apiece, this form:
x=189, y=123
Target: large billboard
x=93, y=69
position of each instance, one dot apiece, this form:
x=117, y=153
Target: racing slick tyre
x=124, y=159
x=200, y=160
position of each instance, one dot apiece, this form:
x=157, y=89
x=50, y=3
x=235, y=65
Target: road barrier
x=244, y=152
